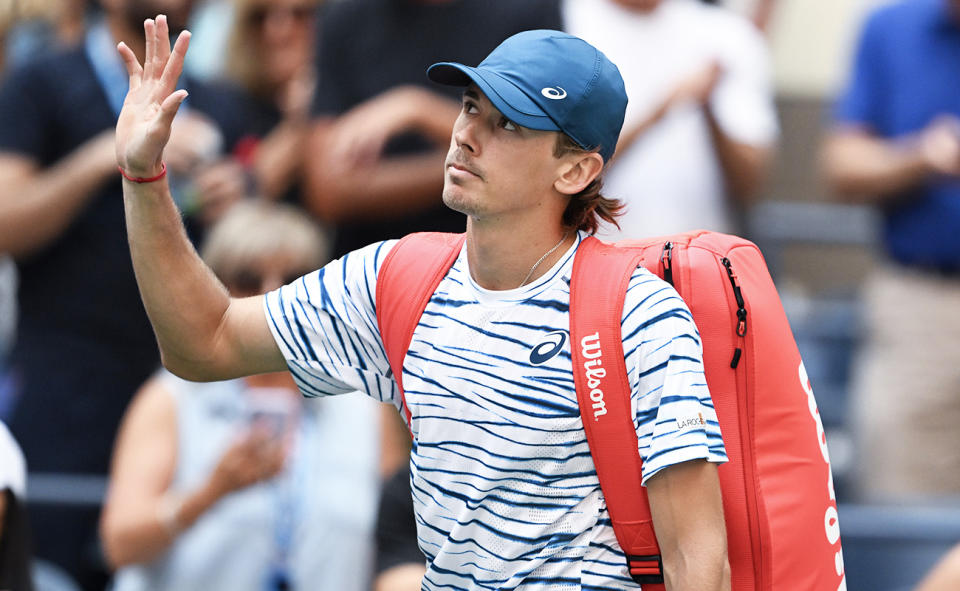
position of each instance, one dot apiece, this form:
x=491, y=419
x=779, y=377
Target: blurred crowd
x=311, y=130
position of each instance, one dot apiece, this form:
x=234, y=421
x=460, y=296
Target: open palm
x=152, y=100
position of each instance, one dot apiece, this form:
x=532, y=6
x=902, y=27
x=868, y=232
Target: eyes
x=470, y=108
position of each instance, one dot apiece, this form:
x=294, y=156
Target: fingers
x=169, y=107
x=150, y=34
x=134, y=70
x=163, y=40
x=157, y=63
x=174, y=64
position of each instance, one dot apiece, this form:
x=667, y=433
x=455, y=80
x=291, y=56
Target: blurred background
x=826, y=131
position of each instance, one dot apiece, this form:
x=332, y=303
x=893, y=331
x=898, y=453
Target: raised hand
x=143, y=128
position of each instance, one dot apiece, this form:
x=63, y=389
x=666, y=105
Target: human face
x=495, y=167
x=283, y=30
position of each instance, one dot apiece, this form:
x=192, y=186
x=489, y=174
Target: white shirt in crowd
x=671, y=178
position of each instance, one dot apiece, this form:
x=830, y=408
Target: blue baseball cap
x=551, y=81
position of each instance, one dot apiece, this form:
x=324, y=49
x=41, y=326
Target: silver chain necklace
x=545, y=255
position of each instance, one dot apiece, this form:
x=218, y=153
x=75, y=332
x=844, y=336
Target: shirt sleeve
x=743, y=101
x=675, y=418
x=860, y=103
x=326, y=327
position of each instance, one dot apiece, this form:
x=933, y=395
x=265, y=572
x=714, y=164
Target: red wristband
x=137, y=179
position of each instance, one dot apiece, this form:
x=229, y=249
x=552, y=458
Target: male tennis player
x=504, y=487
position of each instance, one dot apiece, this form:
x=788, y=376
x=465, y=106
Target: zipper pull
x=741, y=309
x=666, y=260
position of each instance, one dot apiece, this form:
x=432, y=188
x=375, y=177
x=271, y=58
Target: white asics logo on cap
x=554, y=93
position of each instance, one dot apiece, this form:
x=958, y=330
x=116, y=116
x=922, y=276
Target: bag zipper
x=741, y=309
x=746, y=417
x=666, y=260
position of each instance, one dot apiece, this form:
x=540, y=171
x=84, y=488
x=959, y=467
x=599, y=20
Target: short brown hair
x=587, y=207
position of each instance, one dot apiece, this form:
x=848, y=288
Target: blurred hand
x=296, y=96
x=194, y=140
x=143, y=127
x=104, y=145
x=698, y=87
x=256, y=457
x=940, y=145
x=359, y=135
x=219, y=186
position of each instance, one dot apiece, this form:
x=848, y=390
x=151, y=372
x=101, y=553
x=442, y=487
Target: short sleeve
x=326, y=327
x=743, y=101
x=23, y=113
x=859, y=103
x=675, y=418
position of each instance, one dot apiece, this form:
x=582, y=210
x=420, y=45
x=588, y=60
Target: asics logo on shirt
x=548, y=348
x=554, y=93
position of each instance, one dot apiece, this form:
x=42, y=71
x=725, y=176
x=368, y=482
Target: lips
x=463, y=168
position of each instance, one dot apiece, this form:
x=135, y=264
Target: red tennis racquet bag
x=779, y=506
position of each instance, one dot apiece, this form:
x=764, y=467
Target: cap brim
x=505, y=96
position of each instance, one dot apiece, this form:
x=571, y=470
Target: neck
x=501, y=256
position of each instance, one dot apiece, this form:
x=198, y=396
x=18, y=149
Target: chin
x=458, y=200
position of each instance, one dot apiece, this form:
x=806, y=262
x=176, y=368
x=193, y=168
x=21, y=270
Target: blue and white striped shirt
x=504, y=488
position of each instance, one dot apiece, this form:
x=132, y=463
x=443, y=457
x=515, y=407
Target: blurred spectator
x=896, y=144
x=400, y=565
x=376, y=172
x=14, y=534
x=207, y=57
x=271, y=55
x=244, y=484
x=701, y=121
x=84, y=344
x=29, y=28
x=945, y=576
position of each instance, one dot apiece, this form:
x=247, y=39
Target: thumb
x=169, y=108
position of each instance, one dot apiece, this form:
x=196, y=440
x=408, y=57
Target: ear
x=577, y=171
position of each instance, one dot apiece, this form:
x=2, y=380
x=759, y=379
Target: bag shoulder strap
x=601, y=275
x=405, y=282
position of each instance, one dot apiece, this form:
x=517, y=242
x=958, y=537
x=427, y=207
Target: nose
x=465, y=135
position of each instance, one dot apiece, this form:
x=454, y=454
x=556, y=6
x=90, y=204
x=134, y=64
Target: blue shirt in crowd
x=904, y=77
